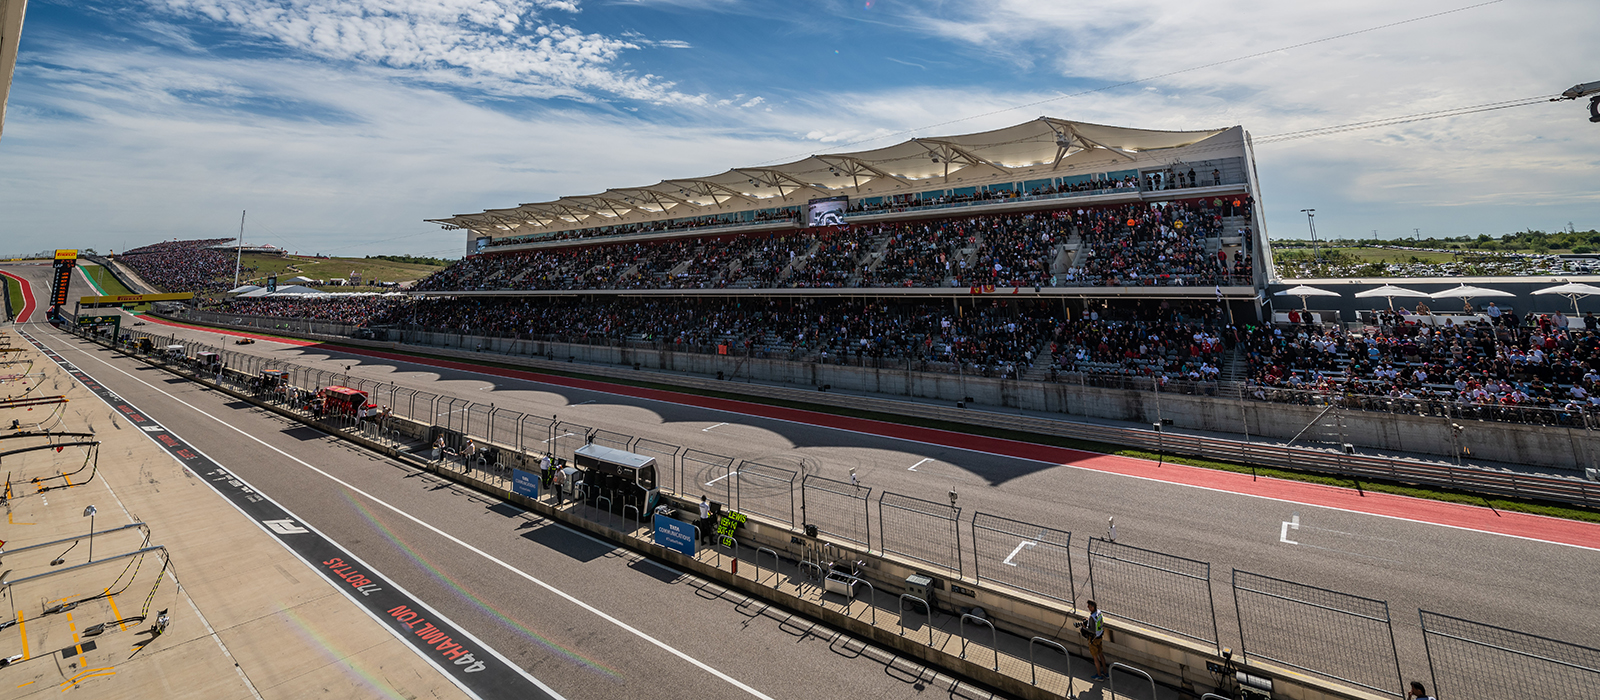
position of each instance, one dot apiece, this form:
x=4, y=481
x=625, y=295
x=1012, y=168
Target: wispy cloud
x=499, y=45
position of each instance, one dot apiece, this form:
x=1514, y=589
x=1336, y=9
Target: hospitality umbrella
x=1573, y=291
x=1304, y=291
x=1467, y=293
x=1390, y=291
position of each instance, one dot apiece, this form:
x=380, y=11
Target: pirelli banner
x=92, y=302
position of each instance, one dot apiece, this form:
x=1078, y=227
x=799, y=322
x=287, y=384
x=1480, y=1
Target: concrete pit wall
x=1491, y=441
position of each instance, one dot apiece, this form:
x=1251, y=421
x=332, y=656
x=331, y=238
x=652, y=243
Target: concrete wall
x=1491, y=441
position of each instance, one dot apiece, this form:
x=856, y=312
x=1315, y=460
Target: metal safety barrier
x=1110, y=672
x=907, y=596
x=811, y=565
x=722, y=541
x=775, y=564
x=1034, y=665
x=872, y=595
x=993, y=637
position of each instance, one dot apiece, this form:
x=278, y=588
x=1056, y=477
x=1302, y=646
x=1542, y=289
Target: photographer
x=1093, y=630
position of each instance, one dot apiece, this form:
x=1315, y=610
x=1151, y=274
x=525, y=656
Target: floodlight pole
x=238, y=250
x=1311, y=222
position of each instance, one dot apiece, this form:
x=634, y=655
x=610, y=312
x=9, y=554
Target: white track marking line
x=1294, y=524
x=464, y=545
x=1020, y=545
x=720, y=478
x=437, y=370
x=707, y=430
x=558, y=437
x=913, y=467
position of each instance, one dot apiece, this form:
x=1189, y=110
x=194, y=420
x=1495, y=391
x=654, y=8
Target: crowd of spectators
x=183, y=266
x=1189, y=341
x=1542, y=361
x=1156, y=245
x=1172, y=178
x=355, y=309
x=764, y=216
x=1165, y=243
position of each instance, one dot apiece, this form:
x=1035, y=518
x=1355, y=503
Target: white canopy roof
x=1306, y=291
x=1391, y=291
x=241, y=289
x=1467, y=291
x=1041, y=148
x=1571, y=289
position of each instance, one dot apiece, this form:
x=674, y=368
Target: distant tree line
x=1524, y=241
x=412, y=260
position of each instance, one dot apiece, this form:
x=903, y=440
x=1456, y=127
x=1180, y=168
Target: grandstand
x=1048, y=204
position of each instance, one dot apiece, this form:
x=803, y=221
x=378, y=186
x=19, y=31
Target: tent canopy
x=1306, y=291
x=1467, y=291
x=1392, y=291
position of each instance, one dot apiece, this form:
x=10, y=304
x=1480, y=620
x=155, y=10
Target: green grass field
x=14, y=291
x=328, y=268
x=105, y=280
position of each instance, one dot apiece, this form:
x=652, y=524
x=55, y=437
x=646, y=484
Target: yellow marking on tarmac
x=74, y=627
x=13, y=522
x=113, y=601
x=24, y=629
x=84, y=675
x=67, y=478
x=24, y=685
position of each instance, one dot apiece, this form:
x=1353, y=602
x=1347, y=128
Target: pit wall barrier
x=1170, y=660
x=1576, y=450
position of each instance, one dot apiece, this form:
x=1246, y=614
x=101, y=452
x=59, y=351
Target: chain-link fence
x=1167, y=592
x=836, y=509
x=504, y=428
x=1024, y=556
x=1327, y=633
x=613, y=440
x=666, y=456
x=710, y=475
x=567, y=437
x=478, y=419
x=766, y=490
x=1474, y=661
x=536, y=432
x=922, y=530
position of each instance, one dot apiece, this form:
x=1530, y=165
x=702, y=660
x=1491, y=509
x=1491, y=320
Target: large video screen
x=827, y=212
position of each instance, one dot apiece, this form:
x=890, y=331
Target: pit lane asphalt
x=570, y=648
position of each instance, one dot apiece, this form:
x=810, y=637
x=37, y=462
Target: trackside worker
x=705, y=519
x=1094, y=630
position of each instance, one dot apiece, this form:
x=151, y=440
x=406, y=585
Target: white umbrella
x=1390, y=291
x=1573, y=291
x=1304, y=291
x=1467, y=292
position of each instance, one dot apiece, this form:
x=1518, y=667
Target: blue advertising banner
x=676, y=535
x=525, y=483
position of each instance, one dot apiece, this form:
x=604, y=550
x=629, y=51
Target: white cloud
x=754, y=101
x=500, y=45
x=124, y=149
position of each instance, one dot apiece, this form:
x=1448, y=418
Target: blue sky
x=342, y=124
